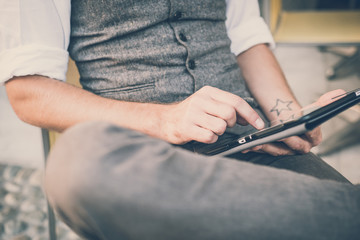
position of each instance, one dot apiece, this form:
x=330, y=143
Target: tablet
x=233, y=143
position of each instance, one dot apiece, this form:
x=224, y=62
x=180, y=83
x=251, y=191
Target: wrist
x=283, y=110
x=168, y=130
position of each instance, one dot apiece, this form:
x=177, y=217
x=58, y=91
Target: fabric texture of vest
x=153, y=50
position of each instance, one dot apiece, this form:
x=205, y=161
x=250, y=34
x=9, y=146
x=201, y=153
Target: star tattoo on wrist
x=281, y=106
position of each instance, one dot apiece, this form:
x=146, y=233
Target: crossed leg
x=107, y=182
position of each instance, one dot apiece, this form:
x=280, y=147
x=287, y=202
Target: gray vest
x=153, y=50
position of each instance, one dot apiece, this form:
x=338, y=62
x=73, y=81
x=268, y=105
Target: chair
x=49, y=138
x=315, y=28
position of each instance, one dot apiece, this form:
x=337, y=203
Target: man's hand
x=303, y=143
x=205, y=115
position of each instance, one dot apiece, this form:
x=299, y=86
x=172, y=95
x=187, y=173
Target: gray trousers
x=107, y=182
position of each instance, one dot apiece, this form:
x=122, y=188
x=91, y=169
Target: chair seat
x=319, y=28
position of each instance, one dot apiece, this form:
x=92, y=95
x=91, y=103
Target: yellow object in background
x=320, y=28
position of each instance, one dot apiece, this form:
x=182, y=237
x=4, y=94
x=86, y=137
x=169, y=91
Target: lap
x=309, y=164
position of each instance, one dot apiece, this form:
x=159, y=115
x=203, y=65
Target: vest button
x=191, y=64
x=182, y=37
x=177, y=15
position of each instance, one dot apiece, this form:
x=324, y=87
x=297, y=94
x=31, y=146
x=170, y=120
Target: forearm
x=52, y=104
x=203, y=116
x=267, y=83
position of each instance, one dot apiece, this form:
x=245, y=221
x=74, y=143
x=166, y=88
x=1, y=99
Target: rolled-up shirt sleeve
x=34, y=36
x=245, y=26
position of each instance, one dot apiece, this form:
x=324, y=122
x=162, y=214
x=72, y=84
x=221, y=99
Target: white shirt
x=35, y=34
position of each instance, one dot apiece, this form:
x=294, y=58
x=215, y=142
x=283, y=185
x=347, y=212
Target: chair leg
x=346, y=66
x=52, y=223
x=51, y=215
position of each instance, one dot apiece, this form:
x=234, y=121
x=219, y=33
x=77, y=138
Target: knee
x=87, y=154
x=66, y=187
x=73, y=164
x=66, y=182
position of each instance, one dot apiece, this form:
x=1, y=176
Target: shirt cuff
x=33, y=60
x=250, y=34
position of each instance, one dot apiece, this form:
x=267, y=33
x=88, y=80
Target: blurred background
x=318, y=49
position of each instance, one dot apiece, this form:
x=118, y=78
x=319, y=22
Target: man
x=165, y=70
